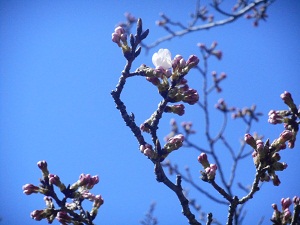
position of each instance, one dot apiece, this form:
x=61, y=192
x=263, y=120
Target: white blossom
x=162, y=58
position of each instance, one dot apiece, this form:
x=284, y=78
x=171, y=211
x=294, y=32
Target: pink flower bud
x=54, y=179
x=296, y=200
x=218, y=54
x=38, y=215
x=178, y=109
x=286, y=135
x=192, y=61
x=250, y=140
x=275, y=117
x=42, y=165
x=119, y=30
x=191, y=96
x=275, y=179
x=63, y=217
x=98, y=201
x=285, y=203
x=28, y=189
x=116, y=38
x=202, y=158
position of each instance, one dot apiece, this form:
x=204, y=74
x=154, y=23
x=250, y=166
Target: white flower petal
x=162, y=58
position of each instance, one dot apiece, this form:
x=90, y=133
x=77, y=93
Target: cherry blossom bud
x=38, y=215
x=174, y=143
x=202, y=46
x=275, y=117
x=287, y=215
x=192, y=61
x=218, y=54
x=119, y=30
x=213, y=45
x=123, y=38
x=285, y=203
x=286, y=135
x=49, y=202
x=275, y=179
x=98, y=201
x=177, y=109
x=287, y=98
x=276, y=213
x=202, y=158
x=92, y=182
x=250, y=140
x=28, y=189
x=296, y=200
x=43, y=167
x=211, y=171
x=176, y=62
x=54, y=179
x=191, y=97
x=116, y=38
x=147, y=150
x=154, y=80
x=63, y=217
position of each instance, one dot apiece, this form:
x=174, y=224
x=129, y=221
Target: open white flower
x=162, y=58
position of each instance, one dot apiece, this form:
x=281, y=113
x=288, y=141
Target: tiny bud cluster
x=76, y=192
x=284, y=216
x=266, y=155
x=290, y=120
x=257, y=14
x=246, y=112
x=211, y=51
x=209, y=172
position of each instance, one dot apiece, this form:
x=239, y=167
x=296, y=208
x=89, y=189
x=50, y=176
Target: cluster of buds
x=257, y=14
x=66, y=211
x=222, y=106
x=148, y=151
x=168, y=77
x=285, y=216
x=246, y=112
x=201, y=13
x=120, y=38
x=266, y=156
x=172, y=144
x=209, y=172
x=187, y=127
x=289, y=118
x=211, y=50
x=217, y=80
x=176, y=109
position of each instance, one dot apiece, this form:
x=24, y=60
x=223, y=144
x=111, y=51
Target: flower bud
x=43, y=167
x=202, y=158
x=250, y=140
x=38, y=215
x=190, y=96
x=192, y=61
x=54, y=179
x=28, y=189
x=288, y=100
x=285, y=203
x=63, y=217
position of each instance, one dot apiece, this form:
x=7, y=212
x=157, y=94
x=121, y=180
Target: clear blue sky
x=57, y=68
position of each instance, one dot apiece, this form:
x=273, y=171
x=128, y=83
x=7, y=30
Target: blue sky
x=57, y=68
